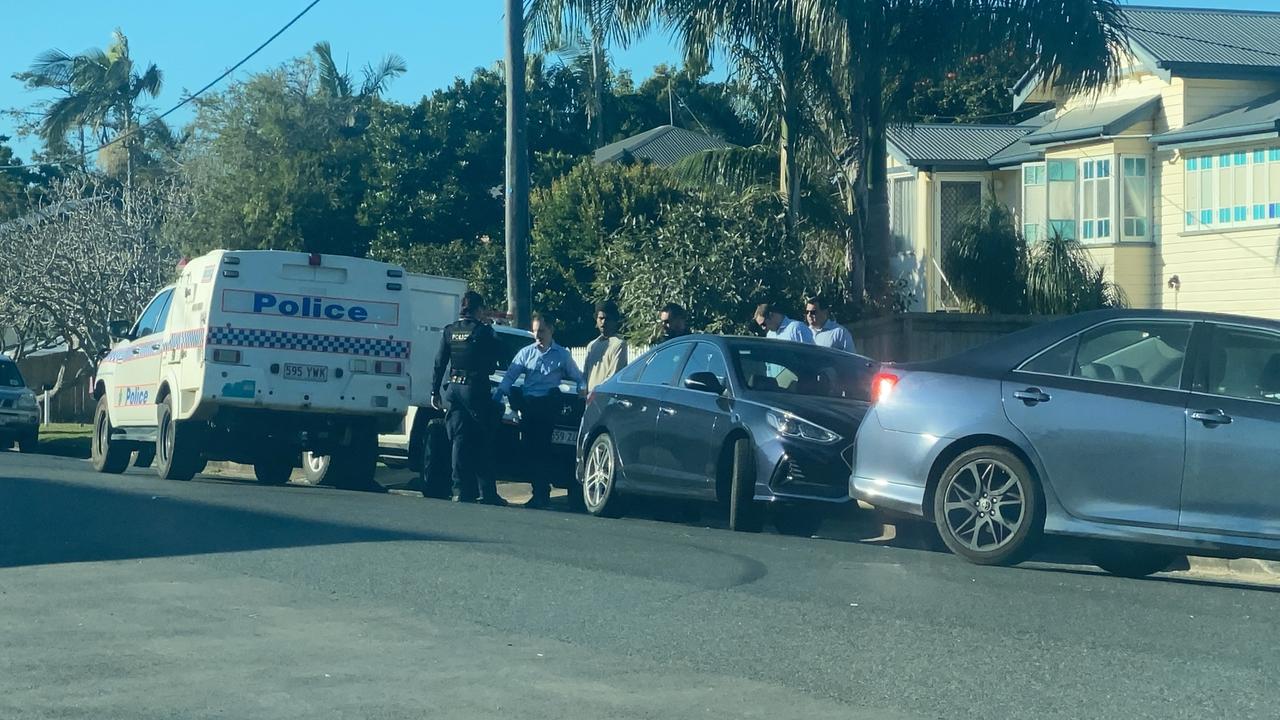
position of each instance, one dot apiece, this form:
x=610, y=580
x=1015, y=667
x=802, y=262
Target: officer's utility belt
x=467, y=378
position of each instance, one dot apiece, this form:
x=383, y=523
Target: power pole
x=517, y=176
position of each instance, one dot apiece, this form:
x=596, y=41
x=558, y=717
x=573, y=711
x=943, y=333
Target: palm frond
x=732, y=169
x=378, y=78
x=333, y=82
x=150, y=83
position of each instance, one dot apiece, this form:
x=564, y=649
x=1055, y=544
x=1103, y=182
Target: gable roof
x=1199, y=40
x=1260, y=117
x=663, y=145
x=954, y=147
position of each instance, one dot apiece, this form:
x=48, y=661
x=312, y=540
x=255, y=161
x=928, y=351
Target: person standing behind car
x=606, y=354
x=469, y=349
x=826, y=331
x=544, y=365
x=673, y=322
x=781, y=327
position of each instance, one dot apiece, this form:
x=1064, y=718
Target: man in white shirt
x=781, y=327
x=826, y=331
x=606, y=354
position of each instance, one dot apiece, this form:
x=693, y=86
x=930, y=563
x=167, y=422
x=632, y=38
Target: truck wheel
x=177, y=445
x=274, y=469
x=107, y=455
x=29, y=442
x=315, y=469
x=353, y=467
x=144, y=456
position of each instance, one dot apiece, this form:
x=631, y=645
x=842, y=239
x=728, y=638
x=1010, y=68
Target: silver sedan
x=1153, y=433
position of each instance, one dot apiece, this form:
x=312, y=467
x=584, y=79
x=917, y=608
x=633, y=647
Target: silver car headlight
x=26, y=402
x=790, y=426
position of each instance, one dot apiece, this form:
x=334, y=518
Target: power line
x=184, y=101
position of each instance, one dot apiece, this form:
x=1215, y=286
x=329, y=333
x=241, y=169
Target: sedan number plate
x=564, y=436
x=309, y=373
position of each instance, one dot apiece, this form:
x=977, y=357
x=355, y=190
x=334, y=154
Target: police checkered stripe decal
x=309, y=342
x=179, y=340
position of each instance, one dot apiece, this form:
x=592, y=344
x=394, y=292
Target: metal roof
x=664, y=145
x=952, y=146
x=1094, y=121
x=1260, y=116
x=1190, y=39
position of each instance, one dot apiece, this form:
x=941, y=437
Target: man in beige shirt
x=606, y=354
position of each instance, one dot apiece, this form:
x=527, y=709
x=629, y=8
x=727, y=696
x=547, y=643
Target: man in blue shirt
x=826, y=332
x=544, y=365
x=780, y=326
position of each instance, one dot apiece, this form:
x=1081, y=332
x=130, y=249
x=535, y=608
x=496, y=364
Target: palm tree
x=880, y=50
x=589, y=26
x=103, y=89
x=340, y=84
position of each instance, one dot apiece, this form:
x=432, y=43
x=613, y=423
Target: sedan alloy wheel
x=986, y=507
x=599, y=476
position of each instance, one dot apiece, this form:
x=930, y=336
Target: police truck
x=255, y=357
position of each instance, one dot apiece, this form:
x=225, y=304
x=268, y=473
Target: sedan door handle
x=620, y=401
x=667, y=411
x=1032, y=395
x=1211, y=417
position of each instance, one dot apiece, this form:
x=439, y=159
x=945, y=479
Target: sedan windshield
x=795, y=369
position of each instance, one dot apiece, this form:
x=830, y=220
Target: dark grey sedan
x=1156, y=433
x=747, y=422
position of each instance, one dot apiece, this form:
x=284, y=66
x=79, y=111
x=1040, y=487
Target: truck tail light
x=882, y=386
x=226, y=357
x=387, y=367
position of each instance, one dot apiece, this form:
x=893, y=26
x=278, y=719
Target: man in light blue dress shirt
x=544, y=365
x=826, y=332
x=779, y=326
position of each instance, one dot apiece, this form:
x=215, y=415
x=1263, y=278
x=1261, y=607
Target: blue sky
x=194, y=42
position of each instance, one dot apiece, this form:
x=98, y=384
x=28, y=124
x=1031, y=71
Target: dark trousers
x=538, y=417
x=470, y=419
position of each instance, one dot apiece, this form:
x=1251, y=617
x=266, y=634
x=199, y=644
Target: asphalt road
x=129, y=597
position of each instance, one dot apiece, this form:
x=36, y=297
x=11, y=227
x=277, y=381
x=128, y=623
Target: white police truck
x=255, y=357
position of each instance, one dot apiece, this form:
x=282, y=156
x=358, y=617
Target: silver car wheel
x=985, y=505
x=599, y=472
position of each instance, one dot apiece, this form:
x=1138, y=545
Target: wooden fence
x=75, y=402
x=913, y=337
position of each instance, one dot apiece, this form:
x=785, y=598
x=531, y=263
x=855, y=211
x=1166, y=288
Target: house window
x=1232, y=189
x=1034, y=202
x=902, y=215
x=1062, y=197
x=1135, y=198
x=1095, y=199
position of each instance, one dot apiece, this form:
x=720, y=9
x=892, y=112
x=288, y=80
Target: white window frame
x=1145, y=200
x=1267, y=198
x=1088, y=182
x=1043, y=189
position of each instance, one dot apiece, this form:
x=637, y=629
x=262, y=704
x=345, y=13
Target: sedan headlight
x=26, y=402
x=788, y=425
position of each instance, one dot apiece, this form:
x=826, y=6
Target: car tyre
x=273, y=470
x=178, y=454
x=107, y=455
x=745, y=514
x=1132, y=561
x=987, y=507
x=599, y=491
x=29, y=442
x=797, y=520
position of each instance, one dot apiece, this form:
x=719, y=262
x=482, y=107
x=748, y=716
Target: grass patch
x=66, y=439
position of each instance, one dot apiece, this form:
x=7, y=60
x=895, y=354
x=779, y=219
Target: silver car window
x=662, y=369
x=706, y=358
x=1139, y=352
x=1245, y=363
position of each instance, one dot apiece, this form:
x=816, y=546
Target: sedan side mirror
x=704, y=382
x=119, y=330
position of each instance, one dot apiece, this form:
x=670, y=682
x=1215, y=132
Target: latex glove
x=435, y=401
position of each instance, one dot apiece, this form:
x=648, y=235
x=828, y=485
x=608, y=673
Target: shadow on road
x=48, y=522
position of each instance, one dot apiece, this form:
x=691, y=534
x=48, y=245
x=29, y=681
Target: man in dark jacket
x=470, y=351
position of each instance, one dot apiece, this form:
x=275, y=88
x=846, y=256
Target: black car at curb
x=753, y=424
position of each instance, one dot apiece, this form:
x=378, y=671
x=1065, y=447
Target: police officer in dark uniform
x=470, y=350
